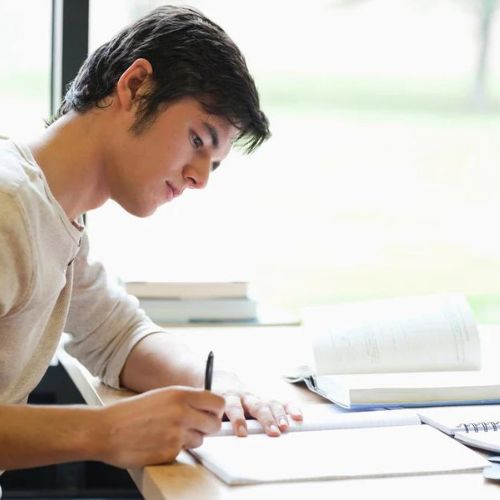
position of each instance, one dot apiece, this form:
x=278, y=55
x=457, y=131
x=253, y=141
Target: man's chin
x=140, y=212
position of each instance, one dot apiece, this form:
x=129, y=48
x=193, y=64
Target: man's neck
x=71, y=154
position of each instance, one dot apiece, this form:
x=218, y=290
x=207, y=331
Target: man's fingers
x=236, y=414
x=207, y=401
x=279, y=413
x=294, y=411
x=282, y=411
x=272, y=415
x=263, y=413
x=202, y=421
x=193, y=439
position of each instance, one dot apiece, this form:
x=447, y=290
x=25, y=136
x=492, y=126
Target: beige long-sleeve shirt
x=48, y=285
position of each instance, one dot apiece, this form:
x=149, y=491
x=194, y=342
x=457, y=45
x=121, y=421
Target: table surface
x=274, y=351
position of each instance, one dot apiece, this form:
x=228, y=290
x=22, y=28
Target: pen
x=209, y=370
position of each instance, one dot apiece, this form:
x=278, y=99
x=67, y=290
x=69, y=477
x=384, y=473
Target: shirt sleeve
x=16, y=256
x=105, y=323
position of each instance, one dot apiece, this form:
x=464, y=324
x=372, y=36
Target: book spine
x=480, y=427
x=181, y=291
x=193, y=310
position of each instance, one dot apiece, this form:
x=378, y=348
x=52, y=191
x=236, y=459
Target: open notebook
x=338, y=445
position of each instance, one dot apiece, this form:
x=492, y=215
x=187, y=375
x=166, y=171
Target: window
x=25, y=68
x=382, y=174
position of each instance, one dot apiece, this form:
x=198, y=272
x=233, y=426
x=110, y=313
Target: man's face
x=177, y=151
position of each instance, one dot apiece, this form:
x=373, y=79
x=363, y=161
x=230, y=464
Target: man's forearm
x=32, y=436
x=159, y=360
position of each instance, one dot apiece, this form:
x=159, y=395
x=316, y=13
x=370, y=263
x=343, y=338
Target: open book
x=477, y=426
x=334, y=444
x=413, y=351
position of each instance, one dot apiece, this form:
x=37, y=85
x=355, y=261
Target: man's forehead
x=221, y=123
x=221, y=127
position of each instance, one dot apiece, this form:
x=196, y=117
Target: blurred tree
x=484, y=11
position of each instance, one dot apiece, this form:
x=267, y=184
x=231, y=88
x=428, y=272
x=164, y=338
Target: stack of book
x=195, y=302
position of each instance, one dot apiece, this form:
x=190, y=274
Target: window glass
x=382, y=174
x=25, y=38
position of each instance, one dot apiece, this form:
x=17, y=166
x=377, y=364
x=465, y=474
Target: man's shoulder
x=13, y=167
x=22, y=185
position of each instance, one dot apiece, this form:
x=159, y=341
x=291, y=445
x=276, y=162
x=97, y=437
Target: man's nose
x=198, y=172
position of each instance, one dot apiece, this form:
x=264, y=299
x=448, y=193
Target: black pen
x=209, y=371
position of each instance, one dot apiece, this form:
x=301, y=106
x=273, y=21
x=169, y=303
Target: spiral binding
x=480, y=426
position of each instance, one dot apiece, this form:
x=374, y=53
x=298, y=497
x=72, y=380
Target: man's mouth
x=175, y=192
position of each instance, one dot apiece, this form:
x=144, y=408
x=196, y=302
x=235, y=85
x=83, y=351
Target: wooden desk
x=260, y=355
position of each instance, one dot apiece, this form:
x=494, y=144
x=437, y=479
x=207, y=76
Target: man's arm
x=120, y=345
x=143, y=430
x=32, y=436
x=159, y=360
x=103, y=320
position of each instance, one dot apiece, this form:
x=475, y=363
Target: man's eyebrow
x=213, y=134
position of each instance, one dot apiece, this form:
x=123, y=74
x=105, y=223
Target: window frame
x=70, y=45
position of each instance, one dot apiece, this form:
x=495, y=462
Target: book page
x=335, y=454
x=328, y=416
x=429, y=333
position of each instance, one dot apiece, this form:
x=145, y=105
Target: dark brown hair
x=191, y=56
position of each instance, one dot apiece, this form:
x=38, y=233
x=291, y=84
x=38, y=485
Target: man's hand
x=159, y=360
x=240, y=403
x=154, y=427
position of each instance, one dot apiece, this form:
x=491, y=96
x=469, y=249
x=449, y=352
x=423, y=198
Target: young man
x=150, y=114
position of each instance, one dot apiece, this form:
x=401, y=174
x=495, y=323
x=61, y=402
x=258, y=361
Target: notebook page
x=335, y=454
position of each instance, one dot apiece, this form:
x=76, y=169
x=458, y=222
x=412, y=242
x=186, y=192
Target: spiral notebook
x=477, y=426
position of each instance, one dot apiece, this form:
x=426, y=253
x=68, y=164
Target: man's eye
x=196, y=141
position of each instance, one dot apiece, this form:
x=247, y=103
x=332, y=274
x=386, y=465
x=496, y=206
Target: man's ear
x=133, y=82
